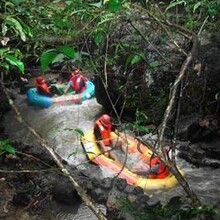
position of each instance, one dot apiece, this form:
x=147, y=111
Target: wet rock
x=133, y=190
x=175, y=203
x=112, y=202
x=212, y=148
x=115, y=214
x=203, y=146
x=63, y=191
x=121, y=184
x=20, y=146
x=99, y=195
x=141, y=202
x=107, y=183
x=22, y=199
x=39, y=152
x=89, y=186
x=132, y=198
x=154, y=203
x=196, y=155
x=202, y=130
x=183, y=125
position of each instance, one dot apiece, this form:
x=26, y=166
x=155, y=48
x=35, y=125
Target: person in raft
x=154, y=169
x=102, y=132
x=44, y=89
x=77, y=82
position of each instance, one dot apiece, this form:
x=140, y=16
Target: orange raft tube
x=95, y=155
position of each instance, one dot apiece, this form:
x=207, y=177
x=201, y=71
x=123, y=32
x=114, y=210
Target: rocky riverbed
x=32, y=187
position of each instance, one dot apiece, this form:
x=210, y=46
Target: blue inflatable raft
x=36, y=99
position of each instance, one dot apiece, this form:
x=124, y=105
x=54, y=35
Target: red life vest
x=79, y=82
x=43, y=86
x=163, y=171
x=104, y=132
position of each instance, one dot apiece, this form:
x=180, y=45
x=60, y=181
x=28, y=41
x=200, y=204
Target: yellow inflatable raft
x=95, y=155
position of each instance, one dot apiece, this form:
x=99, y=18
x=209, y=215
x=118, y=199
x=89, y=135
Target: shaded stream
x=57, y=124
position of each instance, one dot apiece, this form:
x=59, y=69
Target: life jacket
x=43, y=86
x=104, y=132
x=163, y=171
x=79, y=83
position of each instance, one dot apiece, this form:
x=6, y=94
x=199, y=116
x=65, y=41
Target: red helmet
x=77, y=71
x=40, y=80
x=106, y=120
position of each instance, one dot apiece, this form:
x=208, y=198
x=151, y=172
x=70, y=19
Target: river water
x=57, y=125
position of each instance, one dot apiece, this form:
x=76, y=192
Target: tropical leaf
x=4, y=50
x=196, y=6
x=216, y=96
x=5, y=147
x=17, y=2
x=68, y=129
x=154, y=64
x=114, y=5
x=15, y=24
x=26, y=28
x=175, y=3
x=129, y=59
x=14, y=61
x=5, y=66
x=106, y=19
x=97, y=5
x=4, y=29
x=98, y=38
x=68, y=51
x=47, y=58
x=79, y=56
x=59, y=58
x=143, y=129
x=136, y=59
x=9, y=149
x=79, y=131
x=70, y=155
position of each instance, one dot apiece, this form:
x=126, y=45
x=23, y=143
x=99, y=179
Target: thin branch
x=165, y=29
x=174, y=89
x=35, y=158
x=28, y=171
x=147, y=40
x=185, y=32
x=203, y=24
x=167, y=114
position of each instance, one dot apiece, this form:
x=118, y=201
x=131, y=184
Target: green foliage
x=10, y=58
x=174, y=209
x=209, y=7
x=12, y=27
x=71, y=154
x=138, y=125
x=14, y=61
x=79, y=132
x=154, y=64
x=134, y=58
x=5, y=147
x=17, y=26
x=197, y=10
x=58, y=55
x=21, y=20
x=114, y=5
